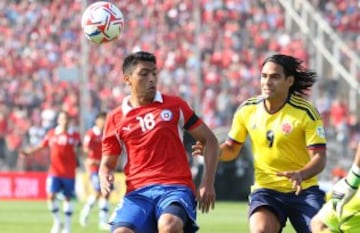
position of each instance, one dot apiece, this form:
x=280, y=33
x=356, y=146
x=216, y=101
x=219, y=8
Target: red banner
x=23, y=185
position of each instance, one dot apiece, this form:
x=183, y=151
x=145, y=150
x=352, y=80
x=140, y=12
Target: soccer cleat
x=56, y=228
x=104, y=227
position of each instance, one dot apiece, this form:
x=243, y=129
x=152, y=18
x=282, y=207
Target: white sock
x=68, y=210
x=103, y=210
x=89, y=205
x=53, y=206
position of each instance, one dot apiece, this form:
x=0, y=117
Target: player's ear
x=127, y=79
x=290, y=80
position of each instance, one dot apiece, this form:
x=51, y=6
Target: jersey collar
x=96, y=130
x=127, y=108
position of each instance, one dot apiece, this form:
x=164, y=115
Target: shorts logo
x=166, y=115
x=286, y=128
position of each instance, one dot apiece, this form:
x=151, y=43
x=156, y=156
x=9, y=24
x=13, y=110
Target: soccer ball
x=102, y=22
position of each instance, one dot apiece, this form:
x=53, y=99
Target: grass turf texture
x=33, y=217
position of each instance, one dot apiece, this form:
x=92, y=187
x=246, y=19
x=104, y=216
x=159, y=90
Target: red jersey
x=151, y=137
x=92, y=141
x=62, y=152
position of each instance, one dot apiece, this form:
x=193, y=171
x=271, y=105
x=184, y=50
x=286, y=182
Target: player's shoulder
x=90, y=132
x=116, y=112
x=304, y=105
x=171, y=98
x=251, y=102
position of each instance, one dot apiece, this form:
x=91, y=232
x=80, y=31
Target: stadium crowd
x=40, y=58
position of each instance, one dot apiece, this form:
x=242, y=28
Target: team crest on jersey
x=286, y=127
x=166, y=115
x=320, y=131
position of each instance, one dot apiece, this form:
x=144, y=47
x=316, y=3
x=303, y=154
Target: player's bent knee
x=263, y=221
x=317, y=225
x=169, y=223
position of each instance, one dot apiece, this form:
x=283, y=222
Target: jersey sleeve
x=315, y=135
x=110, y=142
x=45, y=141
x=238, y=131
x=191, y=120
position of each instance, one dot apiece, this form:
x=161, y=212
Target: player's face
x=63, y=119
x=143, y=80
x=274, y=84
x=100, y=122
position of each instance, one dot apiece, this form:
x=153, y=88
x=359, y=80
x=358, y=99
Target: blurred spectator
x=338, y=172
x=3, y=132
x=233, y=38
x=40, y=160
x=14, y=142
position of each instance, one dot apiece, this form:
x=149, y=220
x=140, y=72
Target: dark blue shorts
x=139, y=210
x=299, y=209
x=64, y=185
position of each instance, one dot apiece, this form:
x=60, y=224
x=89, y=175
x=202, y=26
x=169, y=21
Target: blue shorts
x=95, y=181
x=56, y=185
x=141, y=209
x=299, y=209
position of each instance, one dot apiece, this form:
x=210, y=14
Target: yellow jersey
x=280, y=141
x=349, y=222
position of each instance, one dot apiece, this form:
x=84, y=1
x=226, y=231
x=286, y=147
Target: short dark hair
x=303, y=78
x=132, y=60
x=101, y=115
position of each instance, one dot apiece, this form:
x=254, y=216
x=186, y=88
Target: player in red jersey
x=148, y=129
x=92, y=148
x=62, y=142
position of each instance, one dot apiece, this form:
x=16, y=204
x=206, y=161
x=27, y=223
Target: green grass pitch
x=33, y=217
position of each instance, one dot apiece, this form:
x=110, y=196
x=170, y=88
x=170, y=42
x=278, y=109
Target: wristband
x=355, y=169
x=353, y=177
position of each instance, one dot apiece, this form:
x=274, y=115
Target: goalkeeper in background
x=341, y=213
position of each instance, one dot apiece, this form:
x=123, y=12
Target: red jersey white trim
x=62, y=151
x=152, y=137
x=92, y=141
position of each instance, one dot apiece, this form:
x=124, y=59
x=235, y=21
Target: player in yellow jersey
x=341, y=213
x=288, y=144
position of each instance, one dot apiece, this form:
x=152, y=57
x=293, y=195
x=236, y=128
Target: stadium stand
x=40, y=54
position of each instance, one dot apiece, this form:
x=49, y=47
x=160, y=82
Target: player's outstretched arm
x=30, y=151
x=346, y=188
x=210, y=149
x=106, y=173
x=228, y=150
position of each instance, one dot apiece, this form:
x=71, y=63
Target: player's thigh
x=53, y=185
x=317, y=225
x=177, y=205
x=264, y=220
x=68, y=187
x=134, y=212
x=266, y=211
x=304, y=207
